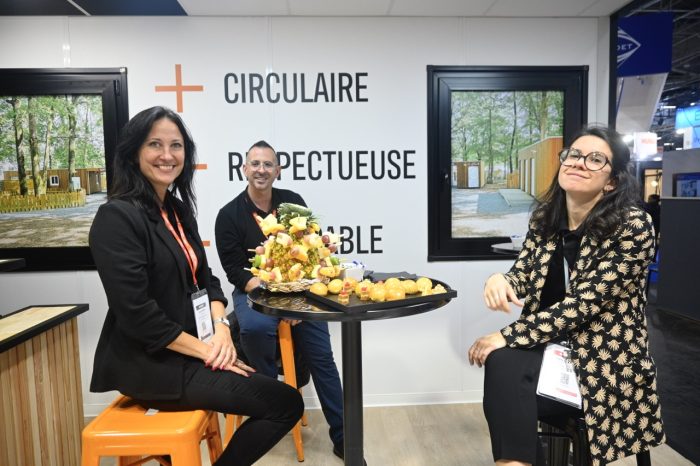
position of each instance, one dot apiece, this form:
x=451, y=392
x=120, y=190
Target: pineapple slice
x=269, y=225
x=276, y=275
x=295, y=273
x=284, y=239
x=297, y=224
x=299, y=252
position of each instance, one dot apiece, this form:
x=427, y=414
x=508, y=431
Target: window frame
x=442, y=80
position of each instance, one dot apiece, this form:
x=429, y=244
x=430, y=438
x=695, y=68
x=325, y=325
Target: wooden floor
x=431, y=435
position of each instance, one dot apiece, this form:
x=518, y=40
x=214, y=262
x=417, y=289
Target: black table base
x=352, y=393
x=297, y=306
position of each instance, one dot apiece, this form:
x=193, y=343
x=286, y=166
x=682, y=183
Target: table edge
x=340, y=316
x=48, y=324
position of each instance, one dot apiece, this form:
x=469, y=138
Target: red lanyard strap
x=184, y=244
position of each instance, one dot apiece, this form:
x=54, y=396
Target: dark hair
x=262, y=144
x=610, y=210
x=128, y=183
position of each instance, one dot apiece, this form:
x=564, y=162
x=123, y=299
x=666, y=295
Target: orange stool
x=123, y=429
x=284, y=333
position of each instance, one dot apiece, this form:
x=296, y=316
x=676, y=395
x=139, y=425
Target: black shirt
x=237, y=231
x=568, y=245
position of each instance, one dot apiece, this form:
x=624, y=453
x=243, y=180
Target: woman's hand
x=498, y=293
x=239, y=367
x=222, y=353
x=482, y=347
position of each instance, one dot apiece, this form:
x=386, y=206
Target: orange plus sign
x=179, y=88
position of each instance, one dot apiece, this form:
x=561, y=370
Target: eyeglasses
x=593, y=161
x=255, y=164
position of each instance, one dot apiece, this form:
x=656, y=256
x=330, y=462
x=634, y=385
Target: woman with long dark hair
x=581, y=276
x=165, y=340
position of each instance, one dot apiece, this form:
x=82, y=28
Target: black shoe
x=338, y=451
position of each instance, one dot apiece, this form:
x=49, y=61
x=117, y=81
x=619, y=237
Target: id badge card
x=202, y=315
x=557, y=376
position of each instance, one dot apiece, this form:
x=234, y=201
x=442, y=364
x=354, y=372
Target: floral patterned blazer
x=602, y=315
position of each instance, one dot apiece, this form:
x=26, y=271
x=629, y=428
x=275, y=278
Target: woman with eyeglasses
x=580, y=280
x=165, y=341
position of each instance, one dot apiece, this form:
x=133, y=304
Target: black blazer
x=147, y=281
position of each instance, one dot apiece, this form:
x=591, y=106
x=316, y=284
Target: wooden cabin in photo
x=92, y=180
x=467, y=175
x=538, y=164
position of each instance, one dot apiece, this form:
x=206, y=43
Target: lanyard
x=184, y=244
x=567, y=270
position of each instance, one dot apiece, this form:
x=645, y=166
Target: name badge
x=202, y=315
x=557, y=376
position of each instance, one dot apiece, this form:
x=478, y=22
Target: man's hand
x=498, y=293
x=252, y=284
x=483, y=346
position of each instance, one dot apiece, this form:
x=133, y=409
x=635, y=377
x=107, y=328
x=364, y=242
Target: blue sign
x=687, y=117
x=644, y=44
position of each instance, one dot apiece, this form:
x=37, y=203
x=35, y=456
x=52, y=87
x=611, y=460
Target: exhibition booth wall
x=382, y=110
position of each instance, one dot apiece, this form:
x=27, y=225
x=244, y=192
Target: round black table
x=297, y=306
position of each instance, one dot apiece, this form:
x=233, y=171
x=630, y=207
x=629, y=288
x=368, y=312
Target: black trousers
x=273, y=408
x=512, y=406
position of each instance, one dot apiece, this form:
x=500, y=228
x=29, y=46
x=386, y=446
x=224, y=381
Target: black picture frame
x=111, y=84
x=442, y=80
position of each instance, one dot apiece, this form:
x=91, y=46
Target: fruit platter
x=296, y=254
x=350, y=295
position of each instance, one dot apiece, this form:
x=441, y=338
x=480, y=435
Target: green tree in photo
x=41, y=133
x=492, y=126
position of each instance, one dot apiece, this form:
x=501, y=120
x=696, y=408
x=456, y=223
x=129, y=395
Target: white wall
x=419, y=359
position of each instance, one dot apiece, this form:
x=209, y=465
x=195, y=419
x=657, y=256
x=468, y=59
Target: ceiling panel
x=470, y=8
x=339, y=7
x=440, y=8
x=604, y=7
x=539, y=8
x=235, y=7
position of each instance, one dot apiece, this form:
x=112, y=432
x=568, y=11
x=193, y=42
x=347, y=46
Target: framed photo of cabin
x=58, y=132
x=494, y=134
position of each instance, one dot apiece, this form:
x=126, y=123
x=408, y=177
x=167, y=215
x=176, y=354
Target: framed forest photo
x=58, y=131
x=493, y=138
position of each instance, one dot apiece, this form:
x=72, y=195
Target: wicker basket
x=291, y=287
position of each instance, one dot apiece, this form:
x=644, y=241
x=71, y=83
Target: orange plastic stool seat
x=284, y=333
x=124, y=430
